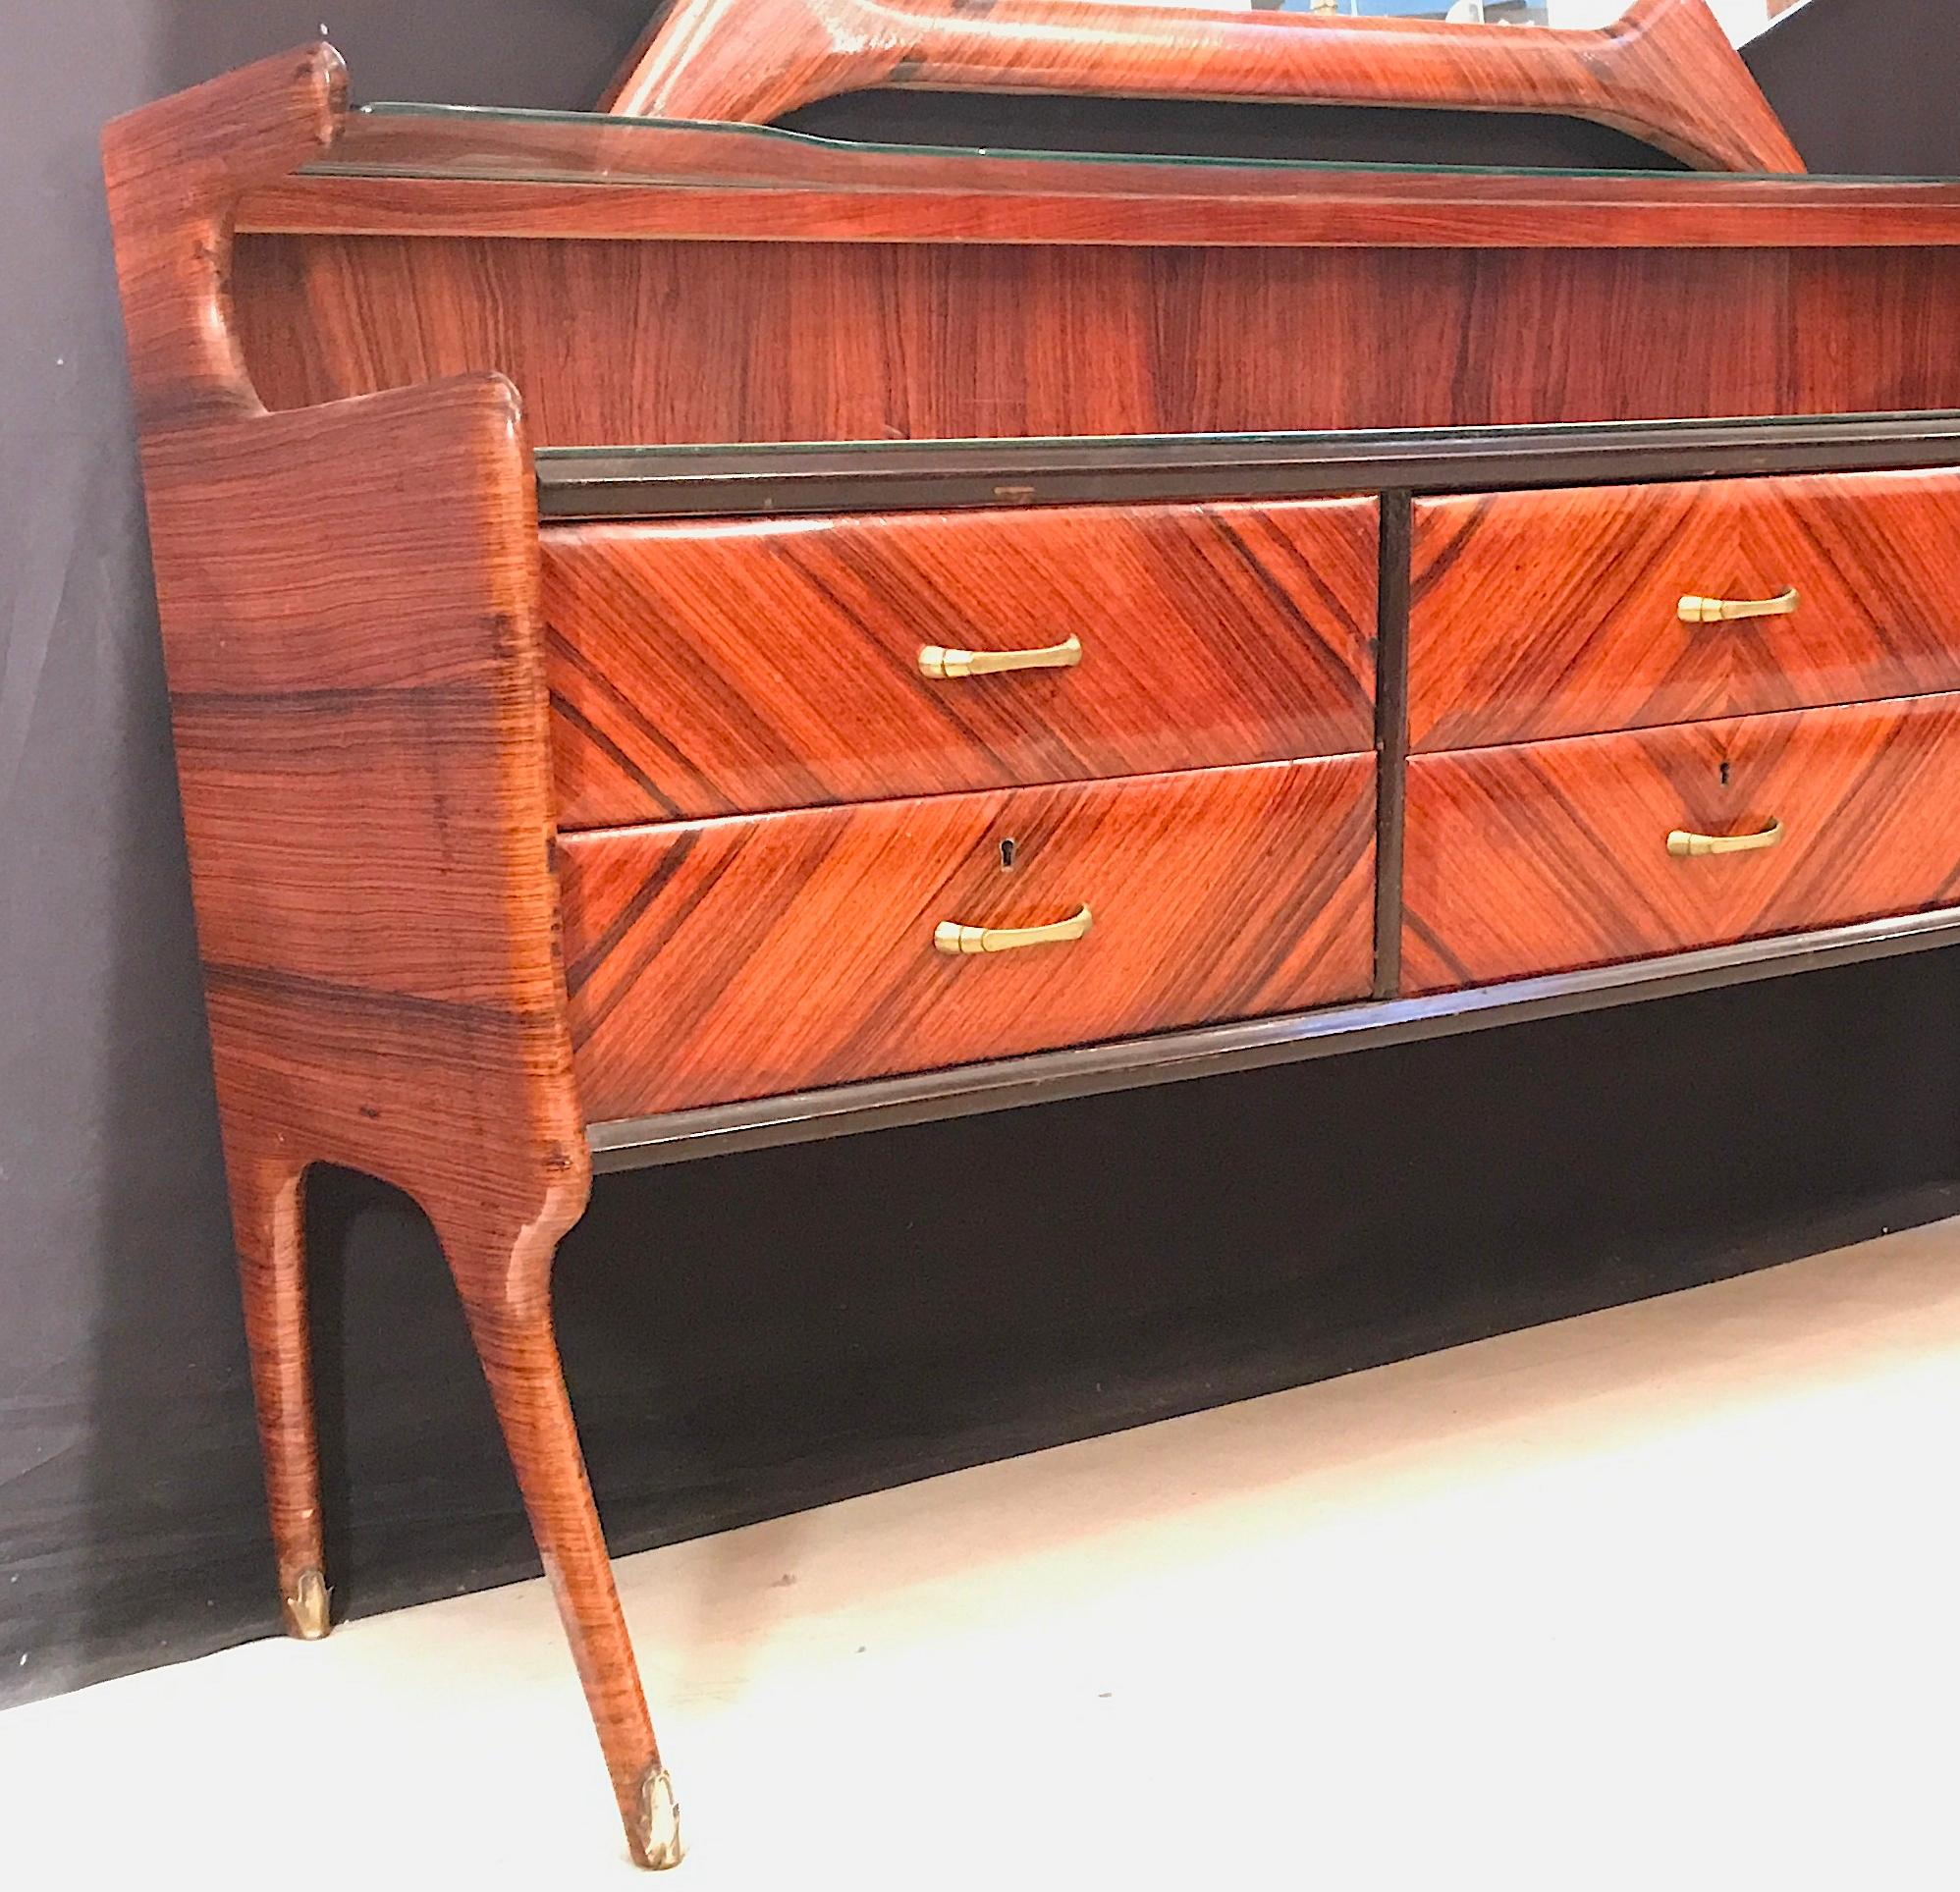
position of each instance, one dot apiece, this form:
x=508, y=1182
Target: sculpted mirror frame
x=1664, y=72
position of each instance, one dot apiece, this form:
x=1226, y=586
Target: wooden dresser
x=685, y=637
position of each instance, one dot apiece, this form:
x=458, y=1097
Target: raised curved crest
x=1664, y=72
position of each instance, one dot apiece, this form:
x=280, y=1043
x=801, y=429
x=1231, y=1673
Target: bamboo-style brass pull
x=1686, y=847
x=948, y=936
x=937, y=662
x=1724, y=611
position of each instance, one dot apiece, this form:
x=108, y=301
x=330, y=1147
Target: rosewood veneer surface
x=1549, y=855
x=731, y=958
x=1551, y=613
x=709, y=341
x=774, y=811
x=705, y=670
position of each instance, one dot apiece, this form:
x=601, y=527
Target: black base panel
x=751, y=1336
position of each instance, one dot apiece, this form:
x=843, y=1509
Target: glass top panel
x=399, y=139
x=487, y=143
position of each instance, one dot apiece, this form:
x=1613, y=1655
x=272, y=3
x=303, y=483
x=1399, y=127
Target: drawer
x=739, y=667
x=733, y=959
x=1554, y=855
x=1537, y=615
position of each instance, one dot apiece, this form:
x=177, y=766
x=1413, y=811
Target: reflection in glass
x=1743, y=19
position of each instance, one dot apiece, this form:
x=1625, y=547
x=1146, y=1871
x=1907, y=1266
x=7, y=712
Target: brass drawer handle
x=937, y=662
x=1685, y=846
x=1723, y=611
x=948, y=936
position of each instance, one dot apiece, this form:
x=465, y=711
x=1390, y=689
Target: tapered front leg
x=505, y=1284
x=267, y=1216
x=349, y=596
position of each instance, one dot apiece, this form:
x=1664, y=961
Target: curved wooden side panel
x=350, y=612
x=1664, y=72
x=349, y=596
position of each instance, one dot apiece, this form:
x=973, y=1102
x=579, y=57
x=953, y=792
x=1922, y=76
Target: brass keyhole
x=1009, y=848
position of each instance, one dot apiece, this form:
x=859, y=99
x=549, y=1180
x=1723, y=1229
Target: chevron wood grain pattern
x=715, y=669
x=1664, y=70
x=1552, y=613
x=349, y=603
x=706, y=341
x=715, y=960
x=1548, y=856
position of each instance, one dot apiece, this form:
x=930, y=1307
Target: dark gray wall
x=1867, y=85
x=751, y=1334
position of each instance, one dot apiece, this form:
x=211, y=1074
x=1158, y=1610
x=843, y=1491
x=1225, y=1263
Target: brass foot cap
x=307, y=1607
x=659, y=1821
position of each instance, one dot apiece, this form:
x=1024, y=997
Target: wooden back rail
x=1664, y=72
x=349, y=596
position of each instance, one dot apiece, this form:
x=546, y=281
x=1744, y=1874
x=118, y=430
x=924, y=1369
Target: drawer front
x=733, y=668
x=715, y=960
x=1555, y=855
x=1537, y=615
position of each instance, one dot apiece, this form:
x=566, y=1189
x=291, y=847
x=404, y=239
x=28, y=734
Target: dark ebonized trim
x=1212, y=1050
x=651, y=483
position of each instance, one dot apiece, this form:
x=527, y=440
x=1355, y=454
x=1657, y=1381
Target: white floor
x=1668, y=1596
